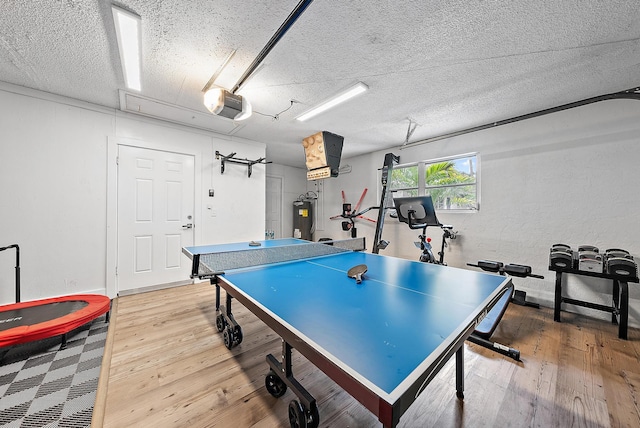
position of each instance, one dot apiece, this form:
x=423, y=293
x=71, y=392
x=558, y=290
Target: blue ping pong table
x=382, y=340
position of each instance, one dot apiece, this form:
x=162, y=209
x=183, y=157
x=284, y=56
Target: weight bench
x=483, y=332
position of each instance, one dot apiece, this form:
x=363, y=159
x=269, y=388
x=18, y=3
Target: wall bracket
x=232, y=159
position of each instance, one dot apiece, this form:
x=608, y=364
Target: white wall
x=53, y=172
x=569, y=177
x=294, y=183
x=57, y=169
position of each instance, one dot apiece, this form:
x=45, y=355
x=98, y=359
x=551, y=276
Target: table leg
x=280, y=378
x=226, y=323
x=229, y=313
x=460, y=372
x=558, y=297
x=616, y=302
x=624, y=310
x=286, y=359
x=195, y=266
x=214, y=281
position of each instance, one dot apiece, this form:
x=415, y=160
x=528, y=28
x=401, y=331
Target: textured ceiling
x=447, y=66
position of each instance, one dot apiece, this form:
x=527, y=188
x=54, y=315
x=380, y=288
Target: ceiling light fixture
x=129, y=35
x=343, y=96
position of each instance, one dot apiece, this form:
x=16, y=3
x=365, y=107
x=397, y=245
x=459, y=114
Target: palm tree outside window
x=451, y=182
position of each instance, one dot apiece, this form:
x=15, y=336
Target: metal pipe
x=299, y=9
x=633, y=94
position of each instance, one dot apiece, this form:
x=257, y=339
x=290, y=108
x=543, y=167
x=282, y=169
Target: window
x=451, y=182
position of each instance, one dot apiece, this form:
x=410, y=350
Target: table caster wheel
x=313, y=417
x=227, y=336
x=300, y=417
x=220, y=323
x=297, y=418
x=237, y=335
x=275, y=386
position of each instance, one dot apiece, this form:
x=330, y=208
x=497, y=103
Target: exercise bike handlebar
x=412, y=225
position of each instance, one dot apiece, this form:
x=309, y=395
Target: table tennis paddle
x=357, y=272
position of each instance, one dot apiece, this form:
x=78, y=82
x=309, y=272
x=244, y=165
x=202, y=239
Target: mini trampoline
x=23, y=322
x=40, y=319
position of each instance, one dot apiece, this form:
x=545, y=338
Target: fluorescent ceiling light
x=334, y=101
x=129, y=38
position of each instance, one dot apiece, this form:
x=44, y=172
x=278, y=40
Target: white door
x=155, y=217
x=274, y=206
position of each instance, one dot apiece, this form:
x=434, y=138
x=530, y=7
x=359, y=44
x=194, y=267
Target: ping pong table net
x=217, y=263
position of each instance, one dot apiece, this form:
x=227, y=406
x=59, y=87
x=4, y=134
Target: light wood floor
x=169, y=368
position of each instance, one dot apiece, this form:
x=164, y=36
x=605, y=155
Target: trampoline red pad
x=39, y=319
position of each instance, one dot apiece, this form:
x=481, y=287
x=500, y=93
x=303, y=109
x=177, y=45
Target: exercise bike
x=427, y=250
x=418, y=213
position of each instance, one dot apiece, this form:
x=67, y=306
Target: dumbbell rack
x=620, y=295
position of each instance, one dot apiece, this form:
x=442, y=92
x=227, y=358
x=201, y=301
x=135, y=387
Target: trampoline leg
x=63, y=344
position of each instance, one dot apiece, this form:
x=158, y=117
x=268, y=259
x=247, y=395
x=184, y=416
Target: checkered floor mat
x=43, y=386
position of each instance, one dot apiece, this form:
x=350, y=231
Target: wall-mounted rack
x=231, y=159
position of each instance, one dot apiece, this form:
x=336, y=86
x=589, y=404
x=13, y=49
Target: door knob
x=187, y=226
